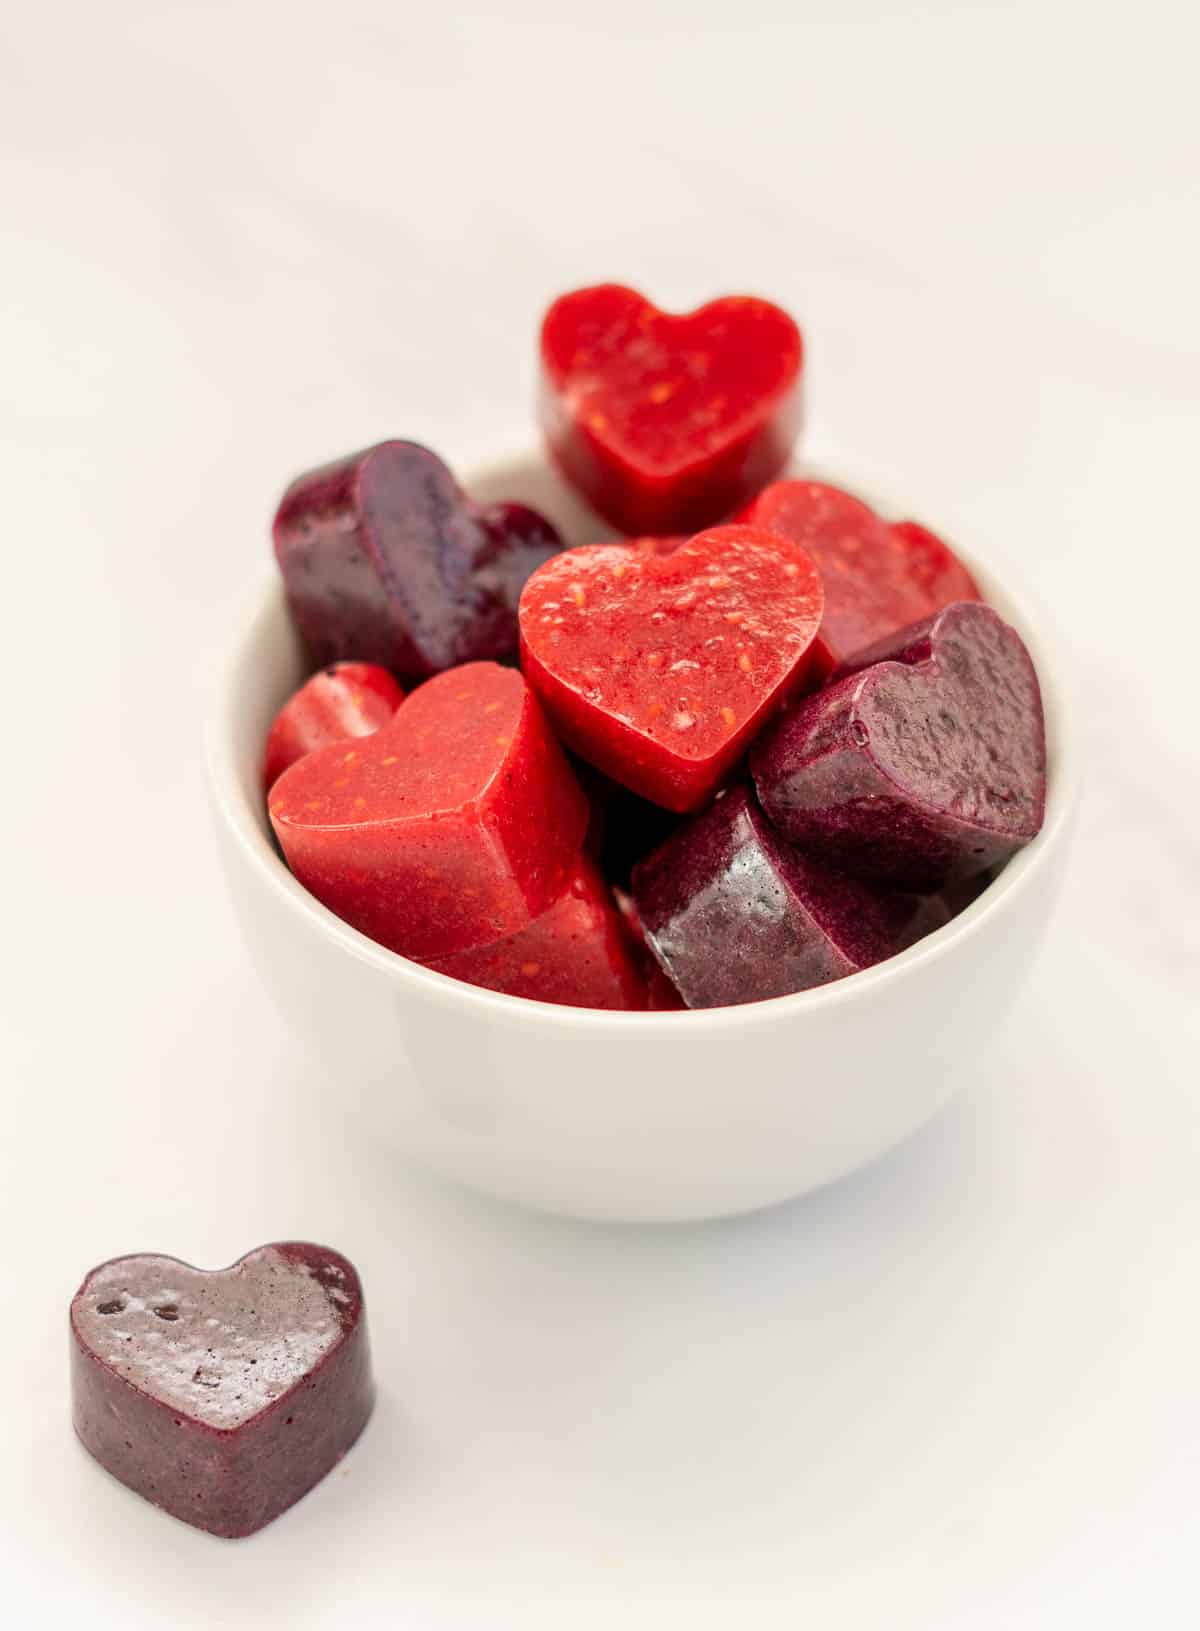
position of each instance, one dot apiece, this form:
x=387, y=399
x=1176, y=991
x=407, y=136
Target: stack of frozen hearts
x=760, y=740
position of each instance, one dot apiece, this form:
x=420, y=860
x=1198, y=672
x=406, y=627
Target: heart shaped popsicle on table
x=664, y=422
x=221, y=1396
x=454, y=825
x=923, y=764
x=387, y=561
x=660, y=670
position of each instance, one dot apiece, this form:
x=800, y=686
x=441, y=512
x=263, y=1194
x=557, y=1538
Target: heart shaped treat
x=387, y=561
x=925, y=766
x=879, y=576
x=579, y=953
x=734, y=915
x=221, y=1396
x=455, y=824
x=666, y=423
x=341, y=702
x=659, y=669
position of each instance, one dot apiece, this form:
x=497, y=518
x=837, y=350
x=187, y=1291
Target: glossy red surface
x=579, y=953
x=456, y=824
x=878, y=576
x=341, y=702
x=221, y=1396
x=660, y=670
x=666, y=422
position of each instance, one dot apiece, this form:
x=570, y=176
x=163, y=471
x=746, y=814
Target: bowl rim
x=1020, y=875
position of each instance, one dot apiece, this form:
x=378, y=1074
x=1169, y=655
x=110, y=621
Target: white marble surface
x=957, y=1390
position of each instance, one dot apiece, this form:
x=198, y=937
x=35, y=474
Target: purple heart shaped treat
x=923, y=762
x=221, y=1396
x=735, y=915
x=386, y=560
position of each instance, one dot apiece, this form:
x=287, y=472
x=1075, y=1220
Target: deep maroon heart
x=221, y=1396
x=386, y=560
x=925, y=763
x=783, y=922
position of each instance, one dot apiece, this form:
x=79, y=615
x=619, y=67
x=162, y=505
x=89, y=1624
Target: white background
x=957, y=1390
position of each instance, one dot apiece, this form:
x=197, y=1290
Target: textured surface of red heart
x=665, y=423
x=221, y=1396
x=660, y=669
x=456, y=824
x=339, y=703
x=926, y=764
x=878, y=576
x=579, y=953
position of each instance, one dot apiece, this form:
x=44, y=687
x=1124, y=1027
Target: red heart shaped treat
x=659, y=669
x=879, y=576
x=454, y=825
x=221, y=1396
x=386, y=560
x=578, y=954
x=341, y=702
x=666, y=423
x=925, y=765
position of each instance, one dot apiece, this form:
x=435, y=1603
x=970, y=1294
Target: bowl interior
x=268, y=663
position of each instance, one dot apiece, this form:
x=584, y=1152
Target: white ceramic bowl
x=622, y=1116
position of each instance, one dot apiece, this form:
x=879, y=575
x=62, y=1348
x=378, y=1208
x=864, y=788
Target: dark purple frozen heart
x=734, y=915
x=387, y=561
x=221, y=1396
x=923, y=763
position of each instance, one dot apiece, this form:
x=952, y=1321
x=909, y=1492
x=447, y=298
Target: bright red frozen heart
x=341, y=702
x=659, y=670
x=665, y=422
x=454, y=825
x=879, y=576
